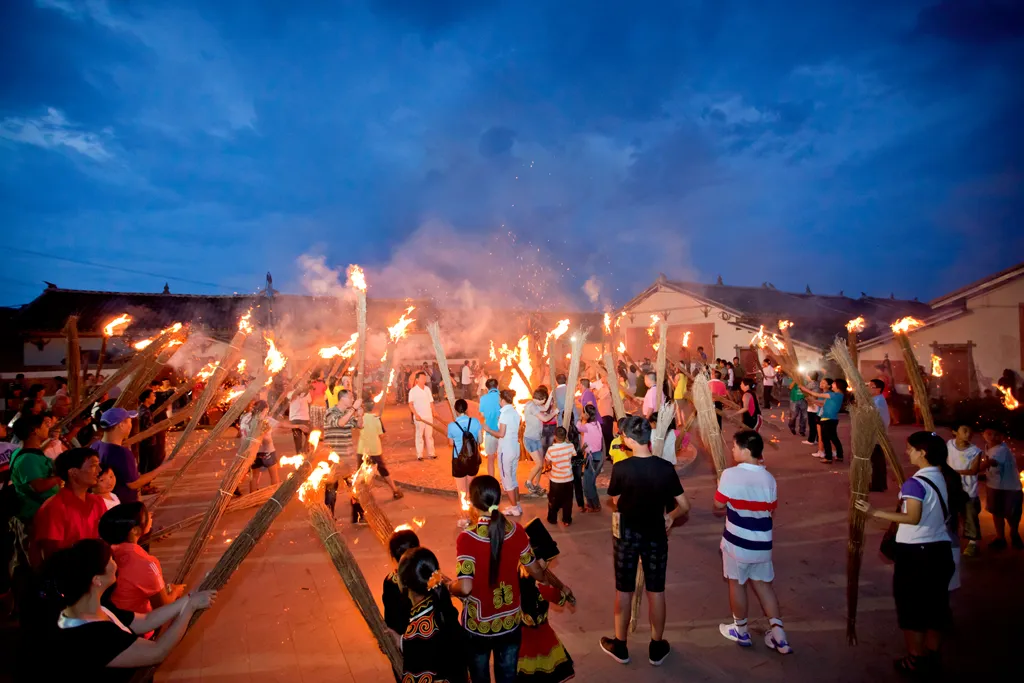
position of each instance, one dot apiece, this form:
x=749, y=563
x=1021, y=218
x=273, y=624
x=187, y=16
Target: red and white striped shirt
x=749, y=494
x=560, y=456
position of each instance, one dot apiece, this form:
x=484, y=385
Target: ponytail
x=485, y=494
x=935, y=453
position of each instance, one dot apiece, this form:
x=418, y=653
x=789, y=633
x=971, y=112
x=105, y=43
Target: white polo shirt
x=509, y=444
x=422, y=401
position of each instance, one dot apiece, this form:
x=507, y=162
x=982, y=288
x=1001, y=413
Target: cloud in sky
x=693, y=139
x=53, y=131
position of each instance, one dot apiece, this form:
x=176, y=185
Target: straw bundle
x=613, y=386
x=212, y=388
x=362, y=487
x=361, y=350
x=552, y=371
x=917, y=384
x=100, y=357
x=228, y=419
x=434, y=330
x=137, y=361
x=666, y=413
x=296, y=381
x=389, y=364
x=841, y=355
x=162, y=425
x=245, y=502
x=578, y=340
x=355, y=582
x=338, y=370
x=662, y=358
x=143, y=376
x=851, y=344
x=169, y=401
x=707, y=421
x=234, y=473
x=860, y=475
x=73, y=361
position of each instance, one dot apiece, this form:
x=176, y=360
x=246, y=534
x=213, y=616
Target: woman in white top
x=931, y=501
x=298, y=415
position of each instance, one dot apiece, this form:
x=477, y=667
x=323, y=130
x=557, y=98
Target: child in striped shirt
x=560, y=455
x=747, y=495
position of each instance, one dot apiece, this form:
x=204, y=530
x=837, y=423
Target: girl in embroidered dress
x=542, y=657
x=433, y=647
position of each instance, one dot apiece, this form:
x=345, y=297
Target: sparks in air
x=401, y=328
x=904, y=325
x=121, y=321
x=856, y=325
x=936, y=366
x=356, y=278
x=245, y=323
x=561, y=328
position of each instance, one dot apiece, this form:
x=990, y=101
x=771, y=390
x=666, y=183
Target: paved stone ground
x=286, y=615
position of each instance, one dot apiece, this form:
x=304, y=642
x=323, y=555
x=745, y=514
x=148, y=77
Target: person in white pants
x=421, y=405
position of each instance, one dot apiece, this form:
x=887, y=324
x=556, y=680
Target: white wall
x=992, y=324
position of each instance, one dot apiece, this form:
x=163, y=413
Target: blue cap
x=115, y=416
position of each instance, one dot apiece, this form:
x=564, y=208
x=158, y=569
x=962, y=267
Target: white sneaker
x=512, y=511
x=819, y=455
x=807, y=443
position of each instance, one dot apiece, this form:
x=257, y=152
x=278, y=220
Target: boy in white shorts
x=507, y=435
x=747, y=495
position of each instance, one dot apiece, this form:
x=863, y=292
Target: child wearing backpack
x=464, y=438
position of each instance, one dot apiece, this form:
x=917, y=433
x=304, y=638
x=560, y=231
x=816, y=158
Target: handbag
x=888, y=545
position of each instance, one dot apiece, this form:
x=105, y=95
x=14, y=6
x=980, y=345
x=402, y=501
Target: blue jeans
x=506, y=657
x=590, y=472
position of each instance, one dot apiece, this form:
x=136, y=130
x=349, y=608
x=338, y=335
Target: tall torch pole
x=358, y=281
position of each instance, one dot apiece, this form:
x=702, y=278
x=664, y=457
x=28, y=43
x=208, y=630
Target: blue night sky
x=523, y=147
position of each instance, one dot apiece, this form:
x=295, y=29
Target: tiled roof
x=817, y=318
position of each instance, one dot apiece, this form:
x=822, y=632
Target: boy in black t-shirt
x=646, y=492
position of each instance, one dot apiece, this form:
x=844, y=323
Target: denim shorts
x=531, y=445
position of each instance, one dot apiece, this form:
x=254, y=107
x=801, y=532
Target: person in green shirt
x=32, y=473
x=797, y=409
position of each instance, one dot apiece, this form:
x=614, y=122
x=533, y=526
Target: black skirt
x=920, y=585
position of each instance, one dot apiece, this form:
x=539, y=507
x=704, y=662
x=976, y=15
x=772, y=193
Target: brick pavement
x=286, y=614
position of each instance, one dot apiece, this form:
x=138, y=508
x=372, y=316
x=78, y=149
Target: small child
x=618, y=450
x=371, y=429
x=434, y=646
x=140, y=586
x=396, y=602
x=748, y=493
x=964, y=457
x=1004, y=496
x=560, y=479
x=750, y=411
x=542, y=657
x=592, y=439
x=104, y=487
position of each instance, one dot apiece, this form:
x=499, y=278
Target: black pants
x=830, y=437
x=878, y=471
x=331, y=495
x=577, y=483
x=812, y=427
x=606, y=429
x=560, y=498
x=767, y=393
x=718, y=413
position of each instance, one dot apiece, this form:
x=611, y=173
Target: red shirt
x=67, y=519
x=492, y=610
x=139, y=577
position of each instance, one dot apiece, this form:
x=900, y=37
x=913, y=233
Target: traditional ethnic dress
x=432, y=652
x=542, y=657
x=396, y=604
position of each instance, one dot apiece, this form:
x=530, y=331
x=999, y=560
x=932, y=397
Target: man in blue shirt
x=589, y=398
x=490, y=408
x=560, y=392
x=829, y=420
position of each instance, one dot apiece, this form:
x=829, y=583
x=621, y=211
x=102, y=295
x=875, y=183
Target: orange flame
x=401, y=328
x=906, y=324
x=314, y=438
x=856, y=325
x=622, y=347
x=521, y=355
x=316, y=476
x=233, y=394
x=1009, y=402
x=785, y=324
x=293, y=460
x=778, y=343
x=607, y=323
x=759, y=340
x=561, y=328
x=207, y=371
x=391, y=379
x=275, y=360
x=936, y=366
x=686, y=339
x=110, y=329
x=494, y=356
x=357, y=278
x=653, y=326
x=245, y=322
x=241, y=367
x=464, y=501
x=347, y=350
x=656, y=345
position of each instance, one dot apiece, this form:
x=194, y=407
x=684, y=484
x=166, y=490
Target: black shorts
x=264, y=461
x=377, y=460
x=460, y=470
x=634, y=546
x=920, y=585
x=1003, y=503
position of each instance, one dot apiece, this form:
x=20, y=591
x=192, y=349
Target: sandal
x=913, y=665
x=397, y=495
